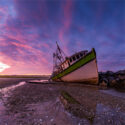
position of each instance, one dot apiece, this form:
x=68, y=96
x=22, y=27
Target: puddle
x=38, y=81
x=5, y=91
x=114, y=93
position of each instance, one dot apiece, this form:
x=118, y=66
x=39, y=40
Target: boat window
x=65, y=63
x=70, y=59
x=74, y=58
x=81, y=54
x=85, y=52
x=77, y=56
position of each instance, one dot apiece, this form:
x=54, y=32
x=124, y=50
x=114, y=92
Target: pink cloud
x=3, y=9
x=67, y=9
x=21, y=66
x=21, y=45
x=68, y=13
x=66, y=21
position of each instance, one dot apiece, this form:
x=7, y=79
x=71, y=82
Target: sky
x=29, y=30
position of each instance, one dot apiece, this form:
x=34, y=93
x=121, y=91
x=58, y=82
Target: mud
x=25, y=103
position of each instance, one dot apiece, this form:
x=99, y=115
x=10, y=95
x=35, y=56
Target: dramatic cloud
x=30, y=28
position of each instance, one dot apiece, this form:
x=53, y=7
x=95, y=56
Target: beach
x=38, y=103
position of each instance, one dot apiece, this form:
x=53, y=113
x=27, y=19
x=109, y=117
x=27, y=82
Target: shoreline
x=5, y=82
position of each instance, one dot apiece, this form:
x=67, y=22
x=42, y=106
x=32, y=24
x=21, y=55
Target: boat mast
x=58, y=58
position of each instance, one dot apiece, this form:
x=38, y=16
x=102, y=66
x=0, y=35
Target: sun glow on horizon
x=3, y=66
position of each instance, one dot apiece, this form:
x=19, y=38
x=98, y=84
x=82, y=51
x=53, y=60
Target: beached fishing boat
x=79, y=67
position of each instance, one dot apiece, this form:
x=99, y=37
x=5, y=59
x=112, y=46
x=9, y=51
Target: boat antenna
x=60, y=50
x=58, y=57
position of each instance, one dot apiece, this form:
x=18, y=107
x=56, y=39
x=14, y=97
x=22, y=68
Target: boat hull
x=86, y=73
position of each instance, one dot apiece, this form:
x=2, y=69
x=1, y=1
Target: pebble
x=52, y=120
x=41, y=120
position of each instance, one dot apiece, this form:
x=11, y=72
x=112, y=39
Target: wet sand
x=39, y=104
x=5, y=82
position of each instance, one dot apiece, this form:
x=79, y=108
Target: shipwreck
x=79, y=67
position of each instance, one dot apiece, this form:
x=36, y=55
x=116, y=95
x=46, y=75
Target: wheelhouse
x=72, y=59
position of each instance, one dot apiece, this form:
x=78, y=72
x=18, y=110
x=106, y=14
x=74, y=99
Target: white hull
x=86, y=73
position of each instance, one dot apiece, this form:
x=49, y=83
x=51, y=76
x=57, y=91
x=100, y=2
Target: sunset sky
x=29, y=30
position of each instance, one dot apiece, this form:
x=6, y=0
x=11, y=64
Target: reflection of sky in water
x=39, y=81
x=5, y=91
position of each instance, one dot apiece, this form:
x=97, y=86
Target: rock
x=52, y=120
x=113, y=83
x=121, y=77
x=103, y=85
x=117, y=79
x=120, y=85
x=41, y=120
x=105, y=80
x=121, y=72
x=110, y=79
x=101, y=73
x=109, y=73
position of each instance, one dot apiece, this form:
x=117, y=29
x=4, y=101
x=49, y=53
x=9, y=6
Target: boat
x=79, y=67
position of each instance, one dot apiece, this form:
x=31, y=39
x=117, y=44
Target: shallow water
x=114, y=93
x=38, y=81
x=5, y=92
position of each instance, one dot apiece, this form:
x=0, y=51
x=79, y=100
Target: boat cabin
x=72, y=59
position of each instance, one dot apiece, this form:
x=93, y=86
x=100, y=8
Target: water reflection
x=5, y=91
x=38, y=81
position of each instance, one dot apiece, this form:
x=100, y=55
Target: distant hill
x=24, y=76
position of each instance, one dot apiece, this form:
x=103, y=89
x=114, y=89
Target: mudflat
x=5, y=82
x=24, y=103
